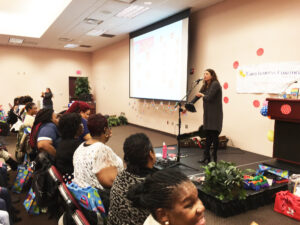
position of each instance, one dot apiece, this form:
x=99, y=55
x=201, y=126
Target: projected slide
x=158, y=63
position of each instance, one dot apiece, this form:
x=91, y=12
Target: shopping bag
x=88, y=198
x=288, y=204
x=30, y=203
x=23, y=176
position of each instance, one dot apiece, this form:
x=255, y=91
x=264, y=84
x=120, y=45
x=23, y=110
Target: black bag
x=12, y=118
x=45, y=188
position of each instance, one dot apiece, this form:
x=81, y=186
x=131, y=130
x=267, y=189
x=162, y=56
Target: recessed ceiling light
x=71, y=46
x=15, y=40
x=30, y=18
x=95, y=32
x=147, y=3
x=92, y=21
x=132, y=11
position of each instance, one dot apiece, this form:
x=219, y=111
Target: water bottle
x=164, y=151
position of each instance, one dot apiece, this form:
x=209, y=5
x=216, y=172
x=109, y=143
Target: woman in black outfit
x=211, y=92
x=70, y=128
x=47, y=99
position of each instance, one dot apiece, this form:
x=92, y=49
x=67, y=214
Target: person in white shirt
x=31, y=111
x=96, y=164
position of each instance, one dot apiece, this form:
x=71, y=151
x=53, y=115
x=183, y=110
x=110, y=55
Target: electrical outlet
x=186, y=126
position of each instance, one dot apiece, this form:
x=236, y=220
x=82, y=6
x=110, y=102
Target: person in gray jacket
x=211, y=92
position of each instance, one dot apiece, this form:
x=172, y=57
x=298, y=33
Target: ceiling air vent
x=29, y=42
x=126, y=1
x=85, y=46
x=107, y=35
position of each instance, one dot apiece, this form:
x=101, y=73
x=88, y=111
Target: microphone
x=198, y=80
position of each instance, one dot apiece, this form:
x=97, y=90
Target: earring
x=167, y=223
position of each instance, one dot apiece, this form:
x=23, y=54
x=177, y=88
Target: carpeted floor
x=263, y=215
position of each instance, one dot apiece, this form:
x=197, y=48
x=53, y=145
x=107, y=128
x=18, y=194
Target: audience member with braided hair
x=84, y=110
x=171, y=198
x=139, y=158
x=70, y=128
x=44, y=135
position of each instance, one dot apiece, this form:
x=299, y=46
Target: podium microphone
x=198, y=80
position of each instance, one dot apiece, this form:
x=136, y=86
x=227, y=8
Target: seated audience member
x=171, y=198
x=44, y=134
x=95, y=164
x=31, y=111
x=139, y=158
x=70, y=127
x=84, y=110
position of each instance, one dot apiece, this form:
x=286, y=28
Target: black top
x=64, y=155
x=47, y=99
x=212, y=105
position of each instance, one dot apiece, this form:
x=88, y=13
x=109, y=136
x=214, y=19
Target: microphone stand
x=179, y=103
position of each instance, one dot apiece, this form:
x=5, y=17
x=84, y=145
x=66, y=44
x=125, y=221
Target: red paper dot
x=285, y=109
x=260, y=51
x=226, y=100
x=256, y=103
x=235, y=64
x=225, y=85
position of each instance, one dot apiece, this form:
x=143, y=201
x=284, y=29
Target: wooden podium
x=286, y=146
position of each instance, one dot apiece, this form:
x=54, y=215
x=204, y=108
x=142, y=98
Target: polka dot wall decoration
x=226, y=100
x=256, y=103
x=235, y=64
x=225, y=85
x=260, y=51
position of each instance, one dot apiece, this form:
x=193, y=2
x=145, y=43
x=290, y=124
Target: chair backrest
x=79, y=218
x=68, y=197
x=55, y=175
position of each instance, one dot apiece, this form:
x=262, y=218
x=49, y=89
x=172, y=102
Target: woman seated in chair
x=139, y=158
x=44, y=134
x=95, y=164
x=70, y=128
x=84, y=110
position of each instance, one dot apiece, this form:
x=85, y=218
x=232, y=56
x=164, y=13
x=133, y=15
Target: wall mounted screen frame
x=159, y=59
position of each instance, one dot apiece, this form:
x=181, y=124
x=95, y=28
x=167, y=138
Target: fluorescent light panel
x=71, y=46
x=95, y=32
x=15, y=40
x=30, y=18
x=132, y=11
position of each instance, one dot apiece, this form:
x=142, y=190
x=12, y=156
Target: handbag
x=23, y=176
x=287, y=204
x=88, y=198
x=30, y=203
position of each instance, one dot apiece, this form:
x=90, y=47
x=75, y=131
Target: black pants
x=212, y=136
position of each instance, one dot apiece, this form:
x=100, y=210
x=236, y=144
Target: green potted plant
x=82, y=89
x=224, y=181
x=223, y=189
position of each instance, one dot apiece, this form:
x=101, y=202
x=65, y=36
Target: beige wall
x=229, y=31
x=28, y=71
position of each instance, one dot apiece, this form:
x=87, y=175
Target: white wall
x=221, y=34
x=28, y=71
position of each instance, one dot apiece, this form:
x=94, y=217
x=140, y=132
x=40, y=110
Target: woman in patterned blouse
x=139, y=158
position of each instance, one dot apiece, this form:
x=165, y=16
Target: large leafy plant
x=224, y=181
x=82, y=88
